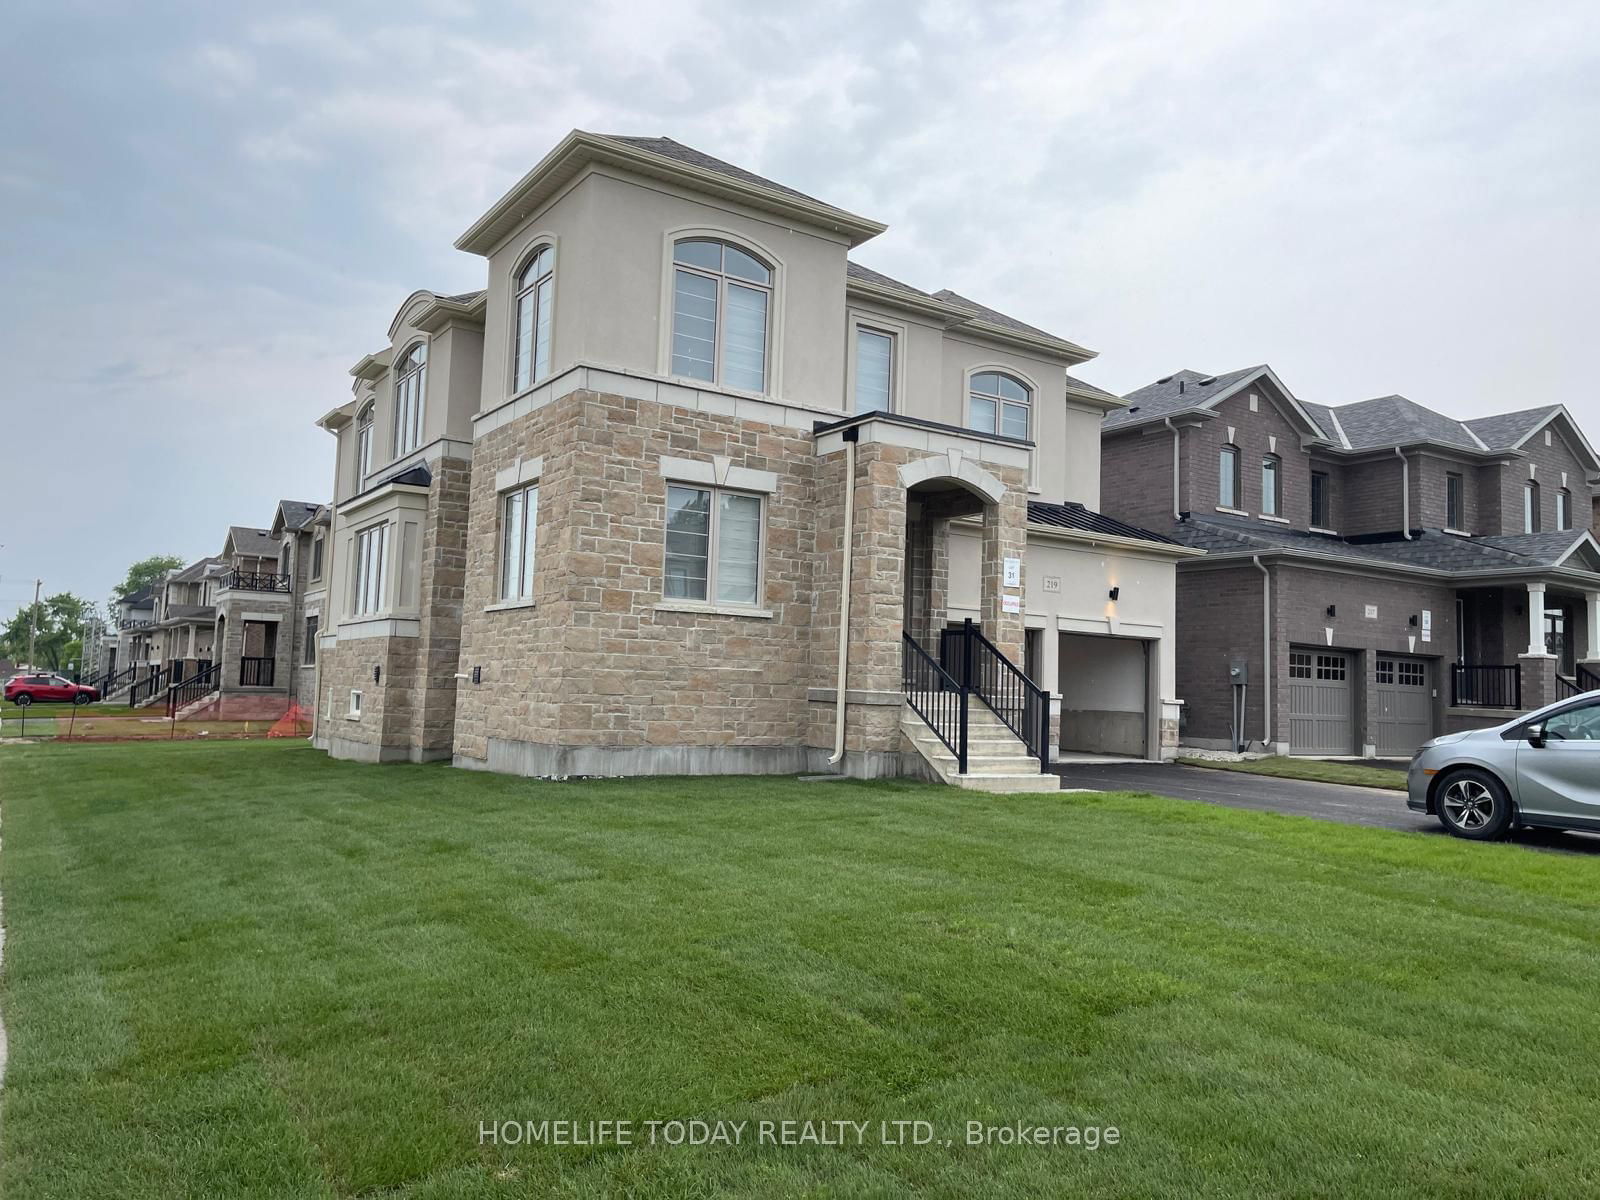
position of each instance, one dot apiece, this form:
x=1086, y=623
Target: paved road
x=1327, y=801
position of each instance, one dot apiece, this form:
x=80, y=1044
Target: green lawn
x=1310, y=768
x=246, y=970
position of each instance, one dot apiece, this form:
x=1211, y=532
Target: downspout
x=1266, y=650
x=850, y=436
x=1177, y=494
x=1405, y=492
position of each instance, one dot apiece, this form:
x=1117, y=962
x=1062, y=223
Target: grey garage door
x=1320, y=703
x=1403, y=696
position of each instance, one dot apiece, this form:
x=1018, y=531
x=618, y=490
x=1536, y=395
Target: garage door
x=1320, y=703
x=1403, y=696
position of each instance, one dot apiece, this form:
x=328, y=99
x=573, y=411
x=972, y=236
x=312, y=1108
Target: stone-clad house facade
x=1376, y=572
x=607, y=515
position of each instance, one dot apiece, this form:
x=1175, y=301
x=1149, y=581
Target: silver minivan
x=1541, y=769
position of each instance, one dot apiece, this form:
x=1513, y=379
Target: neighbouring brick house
x=1379, y=572
x=637, y=505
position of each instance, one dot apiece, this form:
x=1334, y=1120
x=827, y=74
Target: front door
x=1562, y=777
x=1403, y=699
x=1557, y=642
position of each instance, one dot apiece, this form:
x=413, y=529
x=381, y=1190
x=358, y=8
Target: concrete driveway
x=1325, y=801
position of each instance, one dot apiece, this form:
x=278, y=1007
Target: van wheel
x=1473, y=804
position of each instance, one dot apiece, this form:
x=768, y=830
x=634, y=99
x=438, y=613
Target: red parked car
x=23, y=690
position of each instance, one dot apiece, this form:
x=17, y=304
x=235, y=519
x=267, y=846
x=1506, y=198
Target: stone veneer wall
x=597, y=677
x=408, y=712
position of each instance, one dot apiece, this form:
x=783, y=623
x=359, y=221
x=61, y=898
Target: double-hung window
x=721, y=301
x=371, y=554
x=519, y=519
x=408, y=396
x=1271, y=486
x=1320, y=507
x=713, y=546
x=531, y=344
x=1228, y=477
x=1453, y=516
x=874, y=370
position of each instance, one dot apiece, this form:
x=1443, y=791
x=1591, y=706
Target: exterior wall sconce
x=377, y=674
x=1115, y=592
x=477, y=674
x=1333, y=610
x=1414, y=620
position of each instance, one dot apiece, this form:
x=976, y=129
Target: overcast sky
x=211, y=211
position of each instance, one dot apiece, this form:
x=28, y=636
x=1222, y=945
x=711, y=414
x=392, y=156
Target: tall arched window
x=535, y=287
x=1563, y=509
x=1228, y=477
x=1530, y=508
x=997, y=403
x=409, y=382
x=364, y=446
x=1271, y=486
x=721, y=298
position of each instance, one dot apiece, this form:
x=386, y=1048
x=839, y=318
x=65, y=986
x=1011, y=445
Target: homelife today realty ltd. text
x=695, y=1132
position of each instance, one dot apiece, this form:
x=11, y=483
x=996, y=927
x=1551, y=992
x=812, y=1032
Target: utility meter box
x=1238, y=671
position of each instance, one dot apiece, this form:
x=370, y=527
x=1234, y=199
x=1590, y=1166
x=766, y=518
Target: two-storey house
x=685, y=489
x=1377, y=572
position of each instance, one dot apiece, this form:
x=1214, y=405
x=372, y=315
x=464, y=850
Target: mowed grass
x=246, y=970
x=1309, y=768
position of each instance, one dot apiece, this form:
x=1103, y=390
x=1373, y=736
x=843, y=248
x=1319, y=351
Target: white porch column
x=1592, y=602
x=1536, y=644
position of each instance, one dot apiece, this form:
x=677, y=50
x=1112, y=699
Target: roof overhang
x=1083, y=537
x=373, y=365
x=1206, y=406
x=580, y=150
x=1561, y=414
x=1586, y=580
x=444, y=310
x=336, y=419
x=953, y=317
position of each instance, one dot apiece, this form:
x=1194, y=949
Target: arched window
x=1228, y=477
x=1563, y=509
x=721, y=300
x=1530, y=508
x=530, y=351
x=364, y=446
x=997, y=403
x=408, y=395
x=1271, y=486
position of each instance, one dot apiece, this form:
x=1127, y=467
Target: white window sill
x=508, y=605
x=1320, y=529
x=1274, y=520
x=718, y=610
x=1456, y=532
x=350, y=716
x=1232, y=512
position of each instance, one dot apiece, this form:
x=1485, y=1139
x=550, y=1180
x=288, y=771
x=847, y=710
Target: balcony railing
x=1486, y=687
x=134, y=623
x=256, y=581
x=255, y=672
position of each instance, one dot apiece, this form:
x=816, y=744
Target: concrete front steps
x=997, y=760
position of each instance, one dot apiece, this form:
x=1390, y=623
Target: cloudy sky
x=211, y=211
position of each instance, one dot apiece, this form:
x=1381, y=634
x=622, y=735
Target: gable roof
x=256, y=542
x=662, y=158
x=1189, y=391
x=1507, y=431
x=293, y=515
x=195, y=570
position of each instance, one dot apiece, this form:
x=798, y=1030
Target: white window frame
x=527, y=548
x=410, y=407
x=1224, y=500
x=319, y=552
x=1563, y=509
x=354, y=711
x=308, y=654
x=369, y=569
x=364, y=423
x=1001, y=403
x=773, y=382
x=1532, y=518
x=1271, y=497
x=713, y=546
x=872, y=324
x=538, y=370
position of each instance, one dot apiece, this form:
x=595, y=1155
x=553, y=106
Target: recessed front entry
x=1321, y=704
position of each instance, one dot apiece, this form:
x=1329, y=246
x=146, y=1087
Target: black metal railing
x=1587, y=680
x=116, y=681
x=197, y=686
x=936, y=697
x=134, y=623
x=258, y=581
x=1486, y=687
x=1022, y=705
x=255, y=672
x=1566, y=688
x=147, y=685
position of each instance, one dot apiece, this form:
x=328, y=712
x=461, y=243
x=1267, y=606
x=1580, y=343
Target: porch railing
x=258, y=581
x=199, y=685
x=116, y=681
x=255, y=672
x=1022, y=706
x=1486, y=687
x=1588, y=680
x=147, y=685
x=936, y=697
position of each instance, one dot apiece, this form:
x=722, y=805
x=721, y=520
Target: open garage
x=1105, y=694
